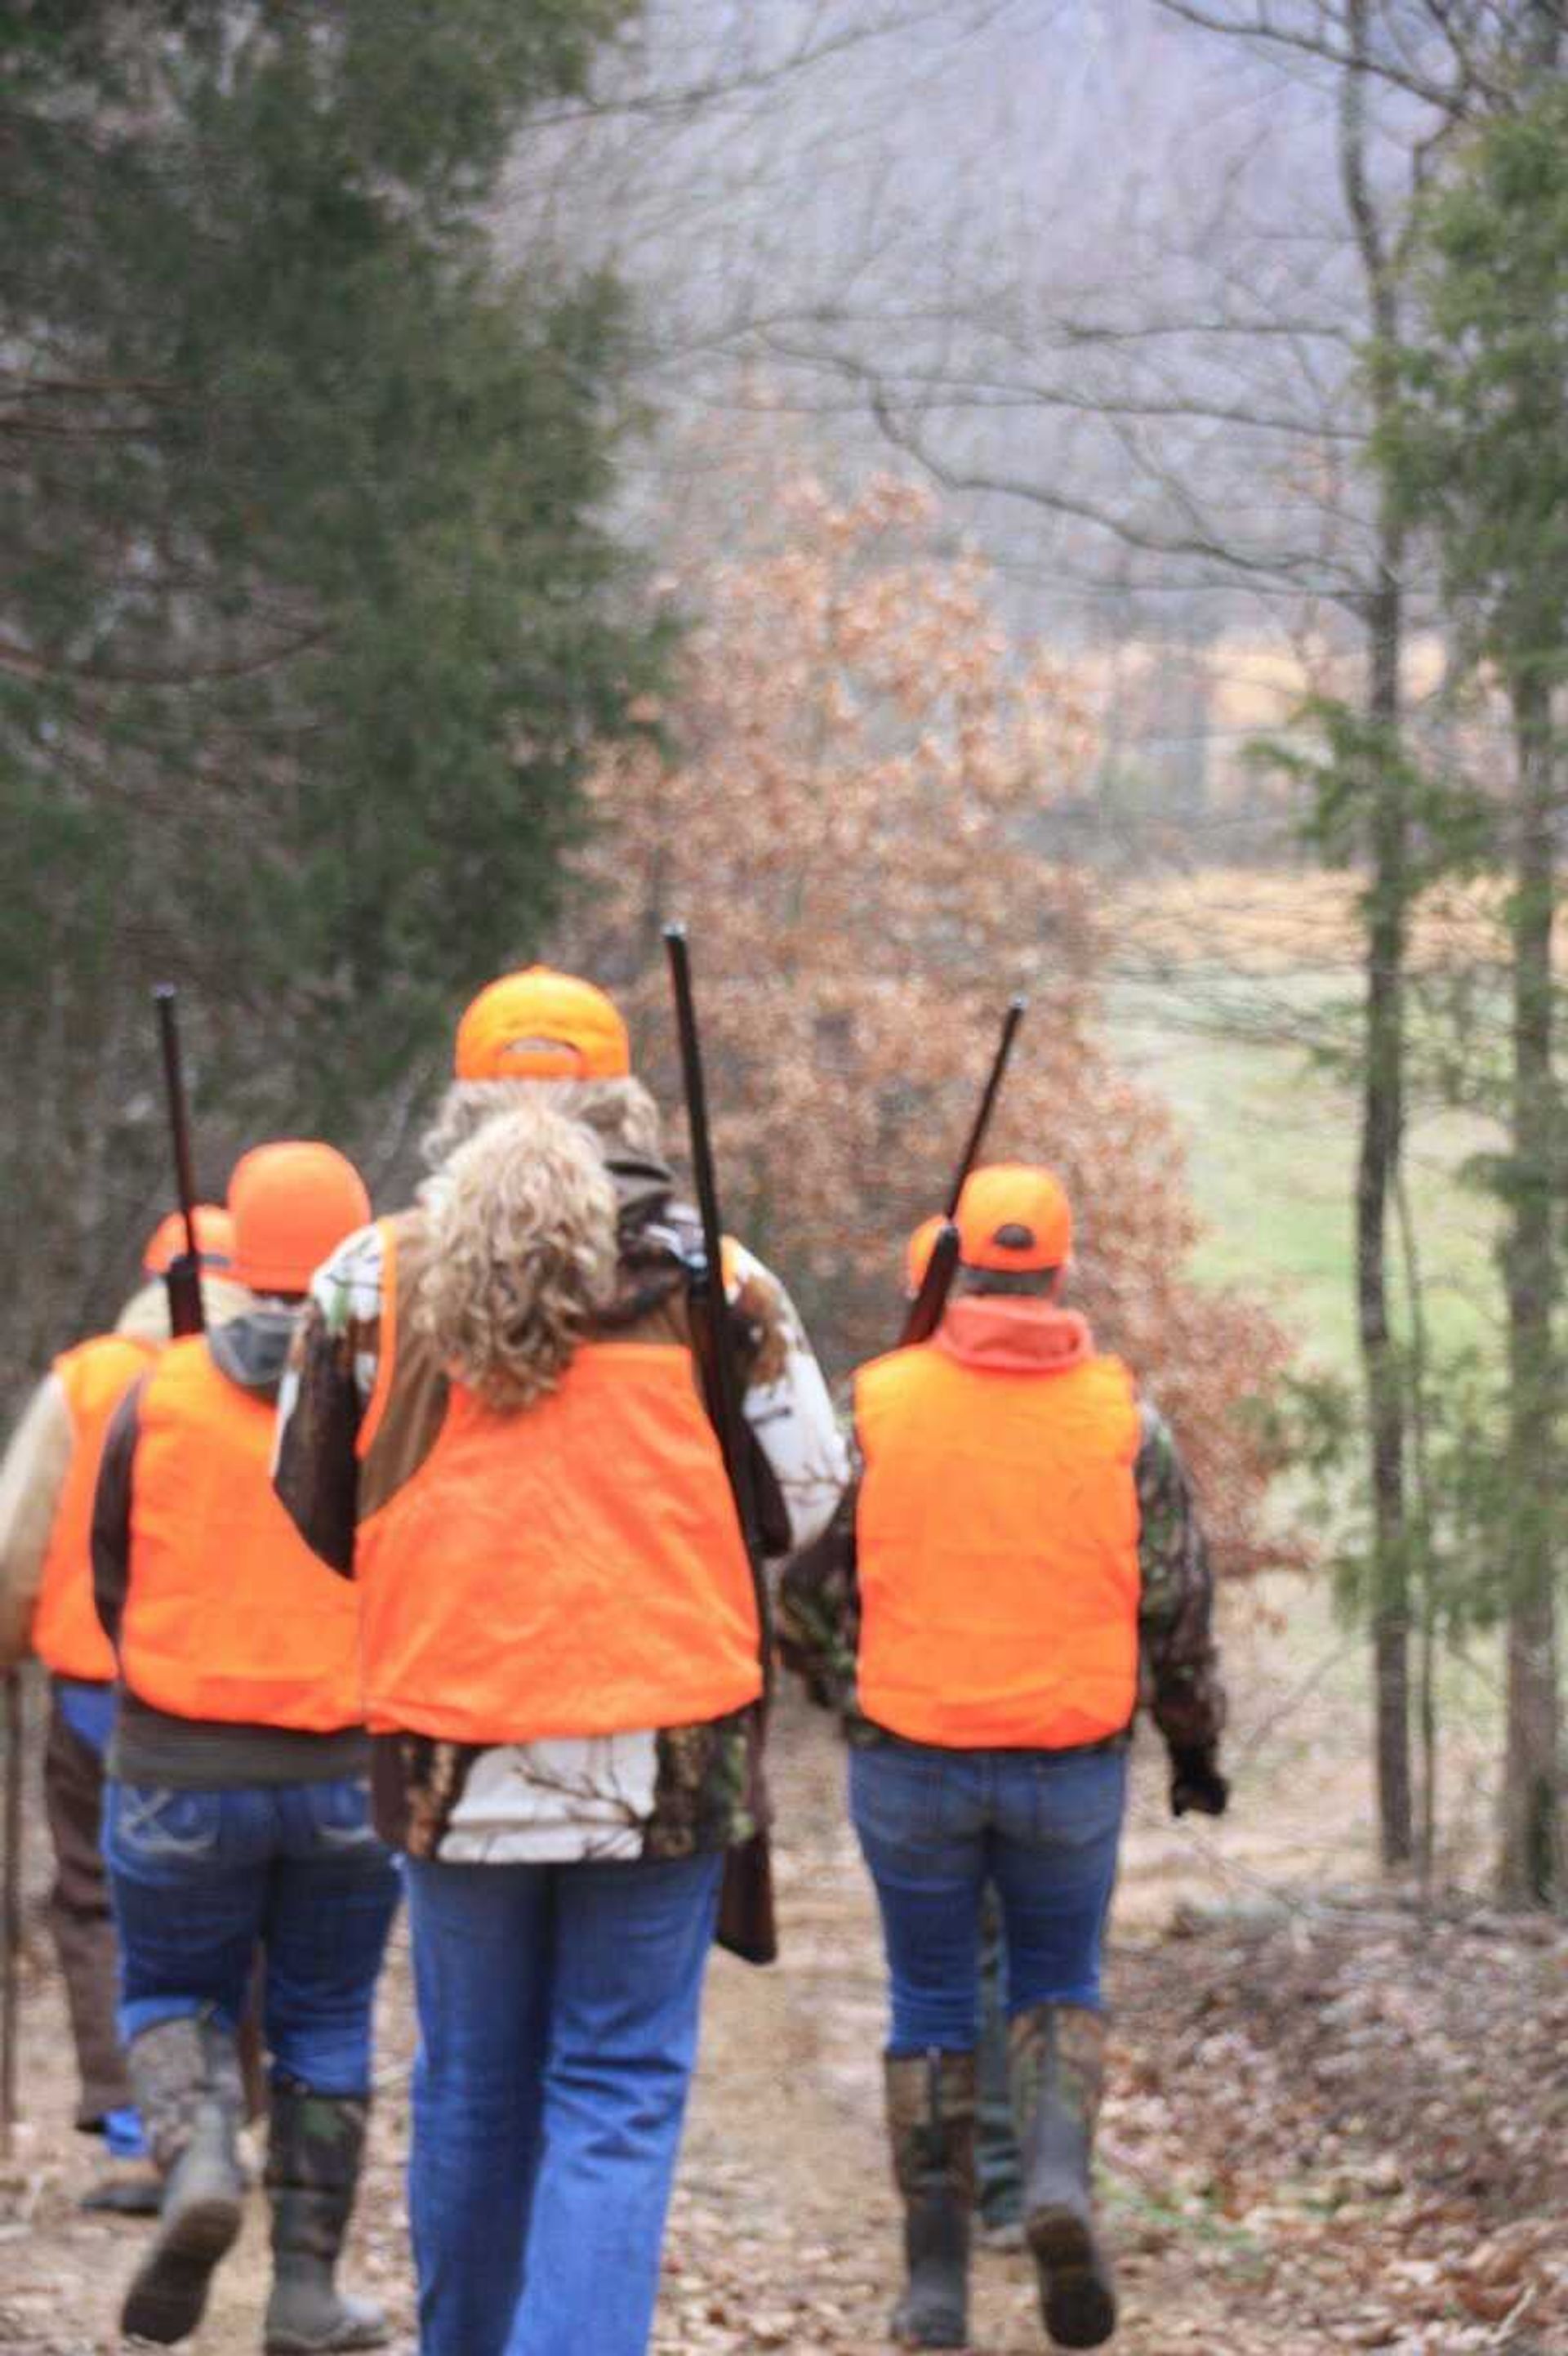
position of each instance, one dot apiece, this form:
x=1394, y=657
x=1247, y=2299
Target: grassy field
x=1271, y=1145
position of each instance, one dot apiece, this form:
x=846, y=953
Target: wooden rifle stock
x=925, y=1312
x=747, y=1924
x=183, y=1275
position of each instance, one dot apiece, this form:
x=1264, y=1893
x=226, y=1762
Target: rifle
x=924, y=1314
x=747, y=1925
x=10, y=1908
x=183, y=1277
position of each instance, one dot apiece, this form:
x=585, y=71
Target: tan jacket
x=32, y=1473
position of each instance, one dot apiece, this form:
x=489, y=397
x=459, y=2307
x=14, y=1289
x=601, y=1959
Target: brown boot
x=185, y=2074
x=315, y=2147
x=1056, y=2059
x=931, y=2127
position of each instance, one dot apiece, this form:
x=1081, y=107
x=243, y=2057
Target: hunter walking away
x=781, y=1542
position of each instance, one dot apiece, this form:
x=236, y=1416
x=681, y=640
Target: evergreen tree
x=308, y=613
x=1477, y=454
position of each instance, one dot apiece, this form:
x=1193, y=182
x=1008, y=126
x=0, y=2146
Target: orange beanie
x=214, y=1239
x=542, y=1025
x=1014, y=1215
x=292, y=1202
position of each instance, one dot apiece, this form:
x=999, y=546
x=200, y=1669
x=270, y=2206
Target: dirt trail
x=783, y=2234
x=785, y=2230
x=1283, y=2173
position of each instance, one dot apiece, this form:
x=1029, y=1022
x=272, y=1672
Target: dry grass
x=1273, y=922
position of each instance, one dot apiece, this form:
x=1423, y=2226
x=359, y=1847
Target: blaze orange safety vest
x=572, y=1568
x=68, y=1635
x=229, y=1616
x=998, y=1546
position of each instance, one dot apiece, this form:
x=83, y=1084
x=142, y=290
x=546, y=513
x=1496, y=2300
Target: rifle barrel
x=726, y=1393
x=1010, y=1021
x=166, y=1000
x=923, y=1314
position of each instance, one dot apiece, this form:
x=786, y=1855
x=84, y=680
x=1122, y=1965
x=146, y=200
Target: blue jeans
x=200, y=1879
x=558, y=2008
x=935, y=1825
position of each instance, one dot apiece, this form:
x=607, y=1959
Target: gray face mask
x=252, y=1349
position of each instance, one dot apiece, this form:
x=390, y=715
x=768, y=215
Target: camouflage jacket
x=654, y=1791
x=1179, y=1667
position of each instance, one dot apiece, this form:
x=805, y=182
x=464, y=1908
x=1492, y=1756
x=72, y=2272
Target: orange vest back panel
x=573, y=1568
x=68, y=1634
x=229, y=1616
x=998, y=1544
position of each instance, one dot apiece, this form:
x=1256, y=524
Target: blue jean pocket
x=1079, y=1799
x=339, y=1813
x=896, y=1794
x=150, y=1822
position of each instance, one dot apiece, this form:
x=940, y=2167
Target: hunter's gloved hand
x=1196, y=1784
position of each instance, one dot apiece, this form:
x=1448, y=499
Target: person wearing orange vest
x=494, y=1424
x=1017, y=1555
x=47, y=1482
x=236, y=1814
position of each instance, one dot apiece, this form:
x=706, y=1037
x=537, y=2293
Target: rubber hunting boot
x=314, y=2147
x=126, y=2188
x=1057, y=2057
x=931, y=2127
x=185, y=2075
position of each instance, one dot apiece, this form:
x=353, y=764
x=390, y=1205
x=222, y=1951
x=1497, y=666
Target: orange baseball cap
x=542, y=1025
x=918, y=1251
x=214, y=1239
x=1013, y=1214
x=291, y=1203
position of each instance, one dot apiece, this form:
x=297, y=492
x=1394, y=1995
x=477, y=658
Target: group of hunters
x=418, y=1575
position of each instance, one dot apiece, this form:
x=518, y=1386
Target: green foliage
x=1476, y=447
x=308, y=613
x=1311, y=1422
x=1460, y=1506
x=1344, y=760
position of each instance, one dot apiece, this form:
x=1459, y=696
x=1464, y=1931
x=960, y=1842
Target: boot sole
x=1079, y=2307
x=168, y=2297
x=943, y=2331
x=121, y=2201
x=354, y=2334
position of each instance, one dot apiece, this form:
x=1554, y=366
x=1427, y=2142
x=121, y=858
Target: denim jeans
x=558, y=2008
x=937, y=1825
x=201, y=1878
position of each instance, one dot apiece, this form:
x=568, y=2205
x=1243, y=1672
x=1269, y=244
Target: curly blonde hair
x=621, y=1113
x=521, y=1228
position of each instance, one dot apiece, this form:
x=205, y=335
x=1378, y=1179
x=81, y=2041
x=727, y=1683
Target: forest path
x=1329, y=2126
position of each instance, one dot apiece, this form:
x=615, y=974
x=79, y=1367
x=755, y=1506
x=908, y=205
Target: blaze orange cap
x=918, y=1251
x=542, y=1025
x=291, y=1203
x=1013, y=1214
x=213, y=1240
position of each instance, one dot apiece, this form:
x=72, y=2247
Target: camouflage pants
x=79, y=1919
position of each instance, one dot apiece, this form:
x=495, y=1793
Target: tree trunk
x=1382, y=1087
x=1531, y=1869
x=1382, y=1124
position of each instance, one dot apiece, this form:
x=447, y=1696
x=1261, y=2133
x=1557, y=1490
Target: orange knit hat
x=292, y=1202
x=542, y=1025
x=918, y=1251
x=1014, y=1215
x=214, y=1239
